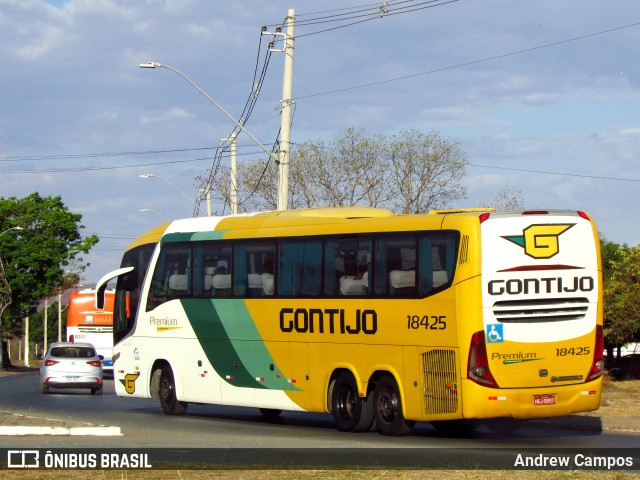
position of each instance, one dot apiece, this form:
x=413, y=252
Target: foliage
x=621, y=271
x=44, y=256
x=409, y=173
x=36, y=324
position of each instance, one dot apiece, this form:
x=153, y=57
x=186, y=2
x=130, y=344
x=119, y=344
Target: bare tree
x=509, y=198
x=425, y=172
x=409, y=173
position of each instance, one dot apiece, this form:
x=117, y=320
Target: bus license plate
x=544, y=399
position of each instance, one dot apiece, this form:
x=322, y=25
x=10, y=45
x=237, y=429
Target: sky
x=543, y=98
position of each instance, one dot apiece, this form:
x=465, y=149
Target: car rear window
x=73, y=352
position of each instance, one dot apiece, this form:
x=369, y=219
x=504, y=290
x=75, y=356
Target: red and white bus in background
x=87, y=324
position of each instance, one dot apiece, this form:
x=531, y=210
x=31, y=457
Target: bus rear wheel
x=167, y=393
x=351, y=412
x=387, y=408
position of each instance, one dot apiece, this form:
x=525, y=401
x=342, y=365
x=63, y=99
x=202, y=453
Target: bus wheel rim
x=388, y=405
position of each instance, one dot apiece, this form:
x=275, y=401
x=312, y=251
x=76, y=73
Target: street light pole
x=148, y=210
x=151, y=175
x=240, y=126
x=272, y=156
x=233, y=193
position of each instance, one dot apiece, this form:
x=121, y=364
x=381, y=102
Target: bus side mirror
x=101, y=286
x=100, y=297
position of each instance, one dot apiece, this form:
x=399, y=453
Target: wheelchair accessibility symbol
x=495, y=333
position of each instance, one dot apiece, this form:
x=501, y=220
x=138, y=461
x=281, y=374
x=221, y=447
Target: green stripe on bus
x=232, y=344
x=192, y=236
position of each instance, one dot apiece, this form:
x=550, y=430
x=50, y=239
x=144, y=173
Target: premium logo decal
x=540, y=241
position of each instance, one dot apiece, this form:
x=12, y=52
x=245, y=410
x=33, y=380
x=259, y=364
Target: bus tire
x=387, y=408
x=167, y=393
x=351, y=413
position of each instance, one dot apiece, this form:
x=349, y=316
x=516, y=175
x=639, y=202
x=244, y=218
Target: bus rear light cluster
x=597, y=367
x=478, y=364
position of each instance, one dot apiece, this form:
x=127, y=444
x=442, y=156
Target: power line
x=117, y=167
x=594, y=177
x=367, y=17
x=472, y=62
x=99, y=168
x=98, y=155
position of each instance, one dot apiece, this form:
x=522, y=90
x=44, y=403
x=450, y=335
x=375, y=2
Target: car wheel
x=96, y=391
x=44, y=388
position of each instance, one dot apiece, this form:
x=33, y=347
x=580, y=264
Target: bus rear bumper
x=539, y=402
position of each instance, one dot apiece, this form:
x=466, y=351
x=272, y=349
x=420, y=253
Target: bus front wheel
x=351, y=412
x=167, y=393
x=387, y=408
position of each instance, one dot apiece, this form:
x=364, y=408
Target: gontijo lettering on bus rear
x=518, y=286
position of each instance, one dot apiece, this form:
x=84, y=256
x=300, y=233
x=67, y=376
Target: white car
x=71, y=365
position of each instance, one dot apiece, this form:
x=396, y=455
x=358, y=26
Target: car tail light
x=597, y=368
x=478, y=364
x=48, y=363
x=95, y=363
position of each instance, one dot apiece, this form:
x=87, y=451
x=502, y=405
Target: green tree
x=36, y=324
x=43, y=257
x=621, y=272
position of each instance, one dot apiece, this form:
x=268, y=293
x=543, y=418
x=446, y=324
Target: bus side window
x=172, y=275
x=300, y=269
x=437, y=257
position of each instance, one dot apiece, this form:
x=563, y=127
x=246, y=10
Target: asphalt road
x=143, y=425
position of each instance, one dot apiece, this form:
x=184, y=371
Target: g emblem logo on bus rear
x=540, y=241
x=129, y=382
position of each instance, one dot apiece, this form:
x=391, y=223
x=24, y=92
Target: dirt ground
x=619, y=399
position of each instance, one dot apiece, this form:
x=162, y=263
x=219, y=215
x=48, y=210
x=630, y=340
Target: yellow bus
x=457, y=317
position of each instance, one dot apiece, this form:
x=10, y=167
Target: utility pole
x=234, y=176
x=285, y=121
